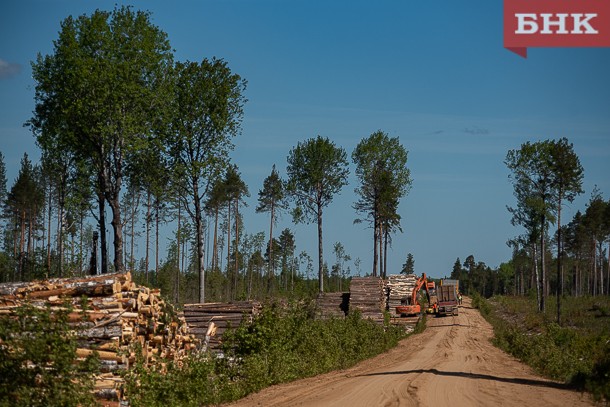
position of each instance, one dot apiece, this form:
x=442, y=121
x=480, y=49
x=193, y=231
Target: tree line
x=571, y=258
x=125, y=129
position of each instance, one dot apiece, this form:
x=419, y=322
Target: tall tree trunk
x=601, y=268
x=594, y=267
x=148, y=220
x=21, y=244
x=117, y=235
x=200, y=254
x=215, y=245
x=111, y=188
x=178, y=251
x=385, y=253
x=608, y=272
x=199, y=231
x=271, y=264
x=135, y=203
x=30, y=244
x=522, y=282
x=537, y=276
x=375, y=232
x=320, y=253
x=249, y=278
x=380, y=243
x=60, y=227
x=543, y=266
x=575, y=280
x=236, y=245
x=103, y=240
x=559, y=261
x=157, y=222
x=80, y=245
x=229, y=294
x=49, y=231
x=578, y=279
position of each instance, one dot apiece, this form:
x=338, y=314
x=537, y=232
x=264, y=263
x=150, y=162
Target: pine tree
x=409, y=265
x=271, y=199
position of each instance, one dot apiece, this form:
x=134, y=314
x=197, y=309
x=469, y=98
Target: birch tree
x=317, y=170
x=206, y=114
x=96, y=96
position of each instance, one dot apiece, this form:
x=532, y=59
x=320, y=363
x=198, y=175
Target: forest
x=132, y=140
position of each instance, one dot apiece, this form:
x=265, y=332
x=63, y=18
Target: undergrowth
x=282, y=344
x=38, y=362
x=576, y=353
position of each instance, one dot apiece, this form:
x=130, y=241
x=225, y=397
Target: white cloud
x=8, y=69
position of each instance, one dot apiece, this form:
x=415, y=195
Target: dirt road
x=452, y=363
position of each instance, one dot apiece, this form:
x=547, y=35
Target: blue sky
x=434, y=74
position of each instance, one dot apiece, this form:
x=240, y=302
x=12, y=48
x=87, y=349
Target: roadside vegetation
x=284, y=343
x=576, y=353
x=39, y=366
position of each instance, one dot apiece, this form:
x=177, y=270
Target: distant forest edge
x=132, y=138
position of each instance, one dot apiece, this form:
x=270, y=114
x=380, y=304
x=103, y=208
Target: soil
x=452, y=363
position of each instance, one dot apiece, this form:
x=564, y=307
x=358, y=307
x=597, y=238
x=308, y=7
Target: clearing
x=451, y=363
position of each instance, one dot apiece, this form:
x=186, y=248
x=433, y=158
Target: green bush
x=280, y=345
x=577, y=353
x=38, y=363
x=287, y=343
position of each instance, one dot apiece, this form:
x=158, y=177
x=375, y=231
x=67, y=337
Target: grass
x=576, y=353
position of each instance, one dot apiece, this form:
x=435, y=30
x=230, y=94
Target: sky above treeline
x=434, y=74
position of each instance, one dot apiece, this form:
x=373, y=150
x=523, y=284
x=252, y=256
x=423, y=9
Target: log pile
x=110, y=314
x=332, y=305
x=207, y=322
x=367, y=295
x=399, y=289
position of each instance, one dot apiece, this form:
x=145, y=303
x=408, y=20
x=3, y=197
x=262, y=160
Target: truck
x=447, y=300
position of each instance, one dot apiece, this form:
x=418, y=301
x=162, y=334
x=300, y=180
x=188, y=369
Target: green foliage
x=577, y=353
x=409, y=266
x=38, y=363
x=291, y=344
x=207, y=110
x=281, y=344
x=381, y=169
x=191, y=384
x=317, y=170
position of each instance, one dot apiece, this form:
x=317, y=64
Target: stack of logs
x=367, y=295
x=208, y=321
x=332, y=305
x=399, y=289
x=110, y=314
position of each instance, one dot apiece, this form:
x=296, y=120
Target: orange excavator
x=413, y=307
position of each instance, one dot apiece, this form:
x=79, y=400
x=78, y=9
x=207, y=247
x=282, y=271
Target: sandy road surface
x=452, y=363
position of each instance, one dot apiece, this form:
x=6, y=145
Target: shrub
x=577, y=354
x=280, y=345
x=38, y=362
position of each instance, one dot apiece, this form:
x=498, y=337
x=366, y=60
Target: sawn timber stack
x=367, y=296
x=200, y=317
x=332, y=305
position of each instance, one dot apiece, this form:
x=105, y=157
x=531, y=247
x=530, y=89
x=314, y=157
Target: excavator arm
x=414, y=307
